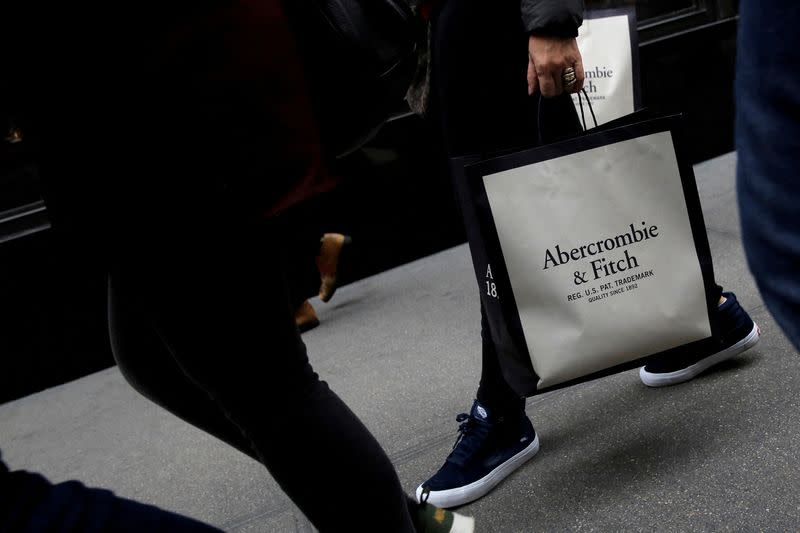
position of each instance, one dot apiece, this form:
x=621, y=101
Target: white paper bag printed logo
x=602, y=266
x=614, y=216
x=605, y=45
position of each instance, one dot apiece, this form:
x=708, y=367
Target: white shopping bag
x=591, y=254
x=608, y=41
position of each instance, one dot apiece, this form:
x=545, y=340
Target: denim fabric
x=768, y=145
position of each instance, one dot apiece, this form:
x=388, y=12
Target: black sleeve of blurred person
x=556, y=18
x=31, y=504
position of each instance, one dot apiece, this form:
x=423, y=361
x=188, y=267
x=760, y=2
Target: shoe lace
x=472, y=434
x=426, y=493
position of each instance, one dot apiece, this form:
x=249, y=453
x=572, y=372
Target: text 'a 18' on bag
x=594, y=251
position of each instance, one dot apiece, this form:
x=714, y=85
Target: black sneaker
x=740, y=333
x=487, y=450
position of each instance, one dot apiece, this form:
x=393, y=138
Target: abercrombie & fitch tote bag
x=591, y=254
x=609, y=45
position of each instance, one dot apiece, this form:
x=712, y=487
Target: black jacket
x=558, y=18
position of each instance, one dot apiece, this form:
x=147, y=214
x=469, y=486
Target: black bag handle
x=589, y=103
x=580, y=104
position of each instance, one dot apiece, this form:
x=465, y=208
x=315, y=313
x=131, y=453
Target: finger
x=559, y=83
x=580, y=77
x=533, y=81
x=547, y=85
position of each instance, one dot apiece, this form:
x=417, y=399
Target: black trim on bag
x=587, y=141
x=697, y=221
x=508, y=338
x=488, y=234
x=703, y=345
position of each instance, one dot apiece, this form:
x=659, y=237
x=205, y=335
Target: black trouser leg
x=231, y=352
x=479, y=65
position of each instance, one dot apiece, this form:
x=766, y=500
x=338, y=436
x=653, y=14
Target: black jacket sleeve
x=558, y=18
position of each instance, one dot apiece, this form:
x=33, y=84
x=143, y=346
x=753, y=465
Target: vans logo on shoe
x=482, y=412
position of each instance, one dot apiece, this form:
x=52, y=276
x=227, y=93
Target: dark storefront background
x=395, y=202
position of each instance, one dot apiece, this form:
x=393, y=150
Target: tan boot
x=14, y=136
x=305, y=317
x=328, y=263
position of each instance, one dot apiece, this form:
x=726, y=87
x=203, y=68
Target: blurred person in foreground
x=177, y=216
x=768, y=145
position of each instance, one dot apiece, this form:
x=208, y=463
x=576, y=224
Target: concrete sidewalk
x=402, y=348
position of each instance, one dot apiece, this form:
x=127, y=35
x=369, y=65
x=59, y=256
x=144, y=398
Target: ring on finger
x=568, y=78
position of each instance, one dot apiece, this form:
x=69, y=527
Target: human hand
x=547, y=59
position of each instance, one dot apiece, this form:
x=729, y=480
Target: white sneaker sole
x=462, y=495
x=690, y=372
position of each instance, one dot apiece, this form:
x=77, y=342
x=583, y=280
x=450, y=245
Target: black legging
x=479, y=65
x=204, y=328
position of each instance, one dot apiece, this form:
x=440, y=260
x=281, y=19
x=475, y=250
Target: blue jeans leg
x=768, y=145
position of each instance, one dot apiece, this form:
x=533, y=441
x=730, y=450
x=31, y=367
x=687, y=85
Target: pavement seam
x=397, y=459
x=412, y=452
x=265, y=514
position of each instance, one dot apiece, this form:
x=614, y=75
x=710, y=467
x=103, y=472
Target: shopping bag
x=590, y=254
x=609, y=45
